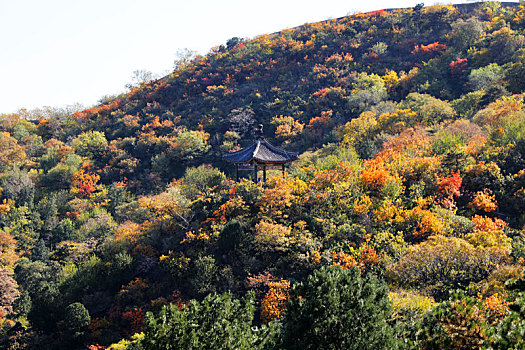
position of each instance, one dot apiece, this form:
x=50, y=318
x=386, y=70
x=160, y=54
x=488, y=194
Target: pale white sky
x=61, y=52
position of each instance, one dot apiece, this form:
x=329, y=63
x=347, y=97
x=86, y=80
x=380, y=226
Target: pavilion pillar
x=264, y=173
x=255, y=172
x=283, y=169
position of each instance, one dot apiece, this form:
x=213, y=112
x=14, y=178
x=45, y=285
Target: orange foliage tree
x=375, y=176
x=83, y=183
x=11, y=152
x=273, y=304
x=343, y=259
x=484, y=201
x=429, y=50
x=422, y=224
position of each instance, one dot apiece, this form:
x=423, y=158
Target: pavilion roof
x=261, y=151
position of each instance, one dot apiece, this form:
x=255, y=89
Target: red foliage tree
x=449, y=186
x=135, y=318
x=458, y=66
x=318, y=126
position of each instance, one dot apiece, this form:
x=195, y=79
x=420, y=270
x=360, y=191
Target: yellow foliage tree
x=128, y=231
x=488, y=232
x=391, y=79
x=280, y=194
x=271, y=235
x=497, y=112
x=8, y=255
x=287, y=127
x=357, y=129
x=169, y=207
x=397, y=121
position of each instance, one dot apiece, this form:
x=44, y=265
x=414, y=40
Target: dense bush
x=336, y=309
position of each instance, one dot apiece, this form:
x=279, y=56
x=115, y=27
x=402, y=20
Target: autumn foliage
x=273, y=304
x=409, y=128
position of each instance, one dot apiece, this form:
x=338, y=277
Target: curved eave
x=259, y=161
x=275, y=162
x=244, y=155
x=262, y=152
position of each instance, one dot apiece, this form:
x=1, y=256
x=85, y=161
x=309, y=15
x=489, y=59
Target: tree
x=444, y=263
x=183, y=57
x=64, y=230
x=169, y=208
x=379, y=48
x=90, y=144
x=504, y=45
x=287, y=128
x=83, y=182
x=515, y=75
x=367, y=90
x=77, y=317
x=274, y=302
x=185, y=146
x=429, y=109
x=241, y=120
x=47, y=304
x=232, y=42
x=481, y=78
x=338, y=309
x=465, y=33
x=11, y=152
x=8, y=246
x=508, y=334
x=218, y=322
x=188, y=145
x=204, y=275
x=140, y=76
x=59, y=177
x=202, y=179
x=359, y=129
x=8, y=292
x=457, y=323
x=19, y=186
x=231, y=238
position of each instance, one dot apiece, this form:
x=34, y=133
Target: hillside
x=298, y=73
x=405, y=210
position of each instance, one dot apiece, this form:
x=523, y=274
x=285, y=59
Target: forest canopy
x=401, y=225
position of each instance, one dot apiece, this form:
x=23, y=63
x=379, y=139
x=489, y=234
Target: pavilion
x=259, y=153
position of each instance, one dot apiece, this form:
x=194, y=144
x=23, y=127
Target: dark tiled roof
x=262, y=152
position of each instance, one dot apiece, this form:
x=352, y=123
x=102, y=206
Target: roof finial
x=259, y=132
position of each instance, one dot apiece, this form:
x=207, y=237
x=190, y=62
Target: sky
x=62, y=52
